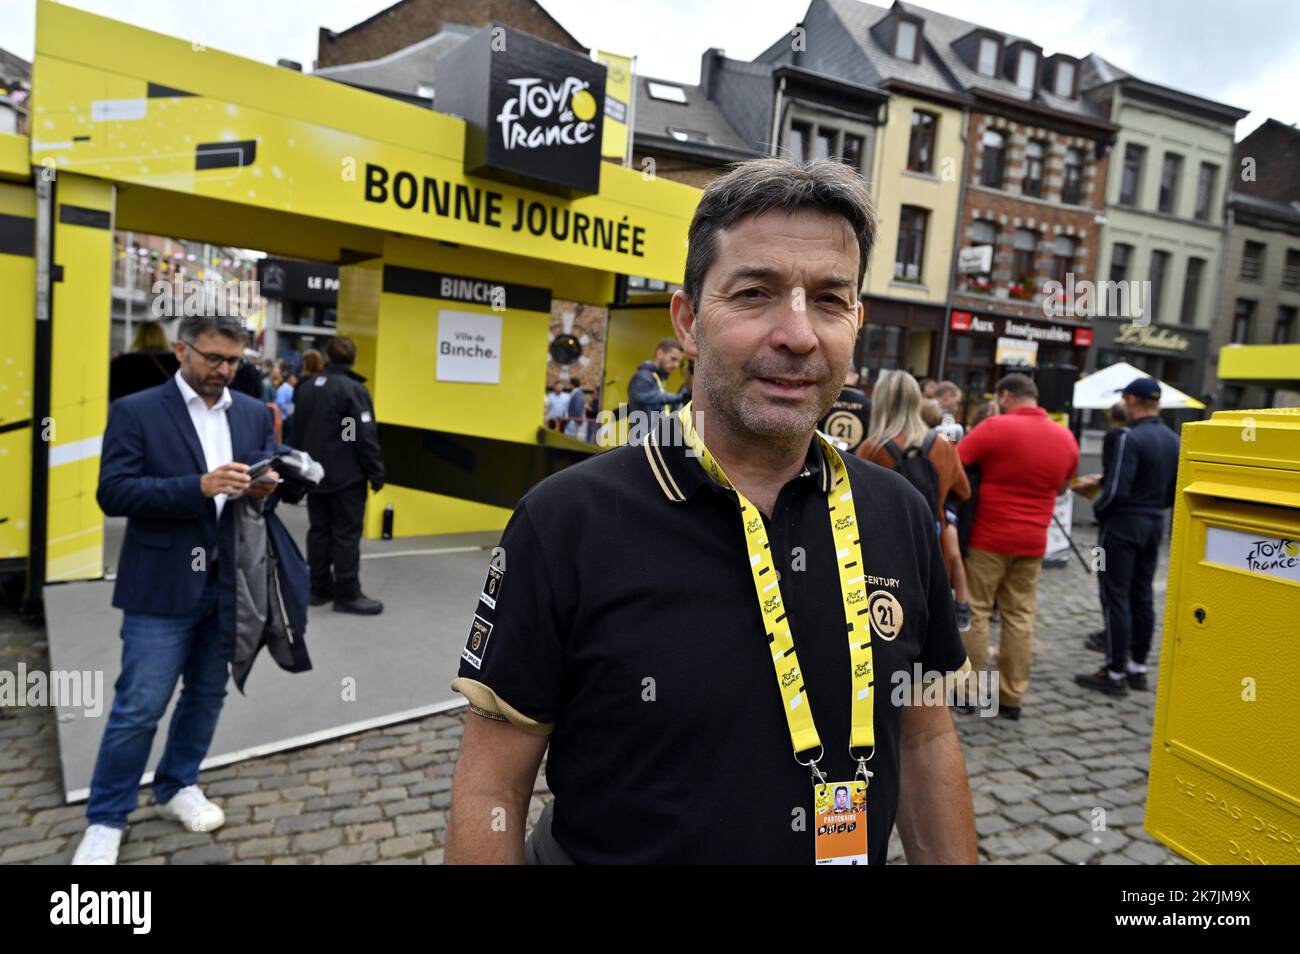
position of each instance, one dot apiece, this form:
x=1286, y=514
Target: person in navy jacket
x=173, y=457
x=1138, y=485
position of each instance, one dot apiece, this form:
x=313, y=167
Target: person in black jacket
x=336, y=426
x=646, y=397
x=1137, y=486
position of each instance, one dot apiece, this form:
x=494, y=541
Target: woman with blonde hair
x=900, y=435
x=149, y=362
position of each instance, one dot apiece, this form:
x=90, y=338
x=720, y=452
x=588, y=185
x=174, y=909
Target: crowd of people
x=571, y=409
x=994, y=490
x=768, y=503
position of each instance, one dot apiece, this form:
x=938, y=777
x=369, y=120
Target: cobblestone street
x=1042, y=786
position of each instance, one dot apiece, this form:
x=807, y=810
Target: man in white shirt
x=172, y=459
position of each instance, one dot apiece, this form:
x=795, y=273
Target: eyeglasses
x=216, y=360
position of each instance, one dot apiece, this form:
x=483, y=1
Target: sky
x=1245, y=54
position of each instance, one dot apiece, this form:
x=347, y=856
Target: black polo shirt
x=625, y=624
x=849, y=418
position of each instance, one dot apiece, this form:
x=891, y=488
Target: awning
x=1270, y=366
x=1100, y=389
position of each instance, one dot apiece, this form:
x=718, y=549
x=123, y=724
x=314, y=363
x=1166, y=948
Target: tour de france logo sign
x=534, y=112
x=546, y=114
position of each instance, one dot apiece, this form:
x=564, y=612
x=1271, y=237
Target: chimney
x=708, y=65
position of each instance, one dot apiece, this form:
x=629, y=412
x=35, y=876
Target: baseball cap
x=1146, y=388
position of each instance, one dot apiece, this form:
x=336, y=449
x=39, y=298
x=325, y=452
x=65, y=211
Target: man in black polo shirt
x=661, y=667
x=849, y=418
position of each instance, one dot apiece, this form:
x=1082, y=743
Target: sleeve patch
x=476, y=644
x=492, y=587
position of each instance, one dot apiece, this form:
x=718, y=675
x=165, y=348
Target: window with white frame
x=810, y=138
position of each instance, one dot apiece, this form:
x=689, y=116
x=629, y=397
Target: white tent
x=1100, y=389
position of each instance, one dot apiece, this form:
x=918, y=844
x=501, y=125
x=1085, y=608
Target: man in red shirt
x=1025, y=461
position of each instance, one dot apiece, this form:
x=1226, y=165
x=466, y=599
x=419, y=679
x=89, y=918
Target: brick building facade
x=410, y=21
x=1041, y=219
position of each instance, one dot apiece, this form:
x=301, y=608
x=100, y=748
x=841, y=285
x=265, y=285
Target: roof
x=663, y=124
x=859, y=18
x=1288, y=212
x=941, y=67
x=405, y=70
x=14, y=67
x=1105, y=73
x=335, y=34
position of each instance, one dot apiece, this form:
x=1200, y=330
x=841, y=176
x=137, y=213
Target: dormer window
x=905, y=40
x=1061, y=76
x=1063, y=84
x=987, y=58
x=1026, y=68
x=901, y=35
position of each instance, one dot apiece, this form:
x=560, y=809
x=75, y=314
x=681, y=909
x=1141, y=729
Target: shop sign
x=293, y=280
x=965, y=321
x=975, y=259
x=1023, y=329
x=1149, y=336
x=1016, y=353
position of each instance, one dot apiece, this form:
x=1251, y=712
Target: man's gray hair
x=230, y=326
x=780, y=185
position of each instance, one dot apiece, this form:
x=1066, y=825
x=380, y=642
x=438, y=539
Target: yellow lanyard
x=848, y=556
x=662, y=381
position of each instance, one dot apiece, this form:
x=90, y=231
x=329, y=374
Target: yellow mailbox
x=1225, y=755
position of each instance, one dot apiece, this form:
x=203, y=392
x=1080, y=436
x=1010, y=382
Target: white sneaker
x=98, y=846
x=194, y=810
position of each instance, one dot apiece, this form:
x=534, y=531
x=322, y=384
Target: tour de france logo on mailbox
x=534, y=111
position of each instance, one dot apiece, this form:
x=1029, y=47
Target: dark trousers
x=1130, y=544
x=334, y=541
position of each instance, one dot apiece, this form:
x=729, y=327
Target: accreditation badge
x=841, y=822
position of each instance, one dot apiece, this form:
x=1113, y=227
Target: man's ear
x=861, y=314
x=684, y=318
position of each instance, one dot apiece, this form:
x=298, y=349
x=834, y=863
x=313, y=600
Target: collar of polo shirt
x=680, y=475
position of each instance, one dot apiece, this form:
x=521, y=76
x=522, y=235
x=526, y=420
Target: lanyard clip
x=818, y=777
x=811, y=765
x=862, y=772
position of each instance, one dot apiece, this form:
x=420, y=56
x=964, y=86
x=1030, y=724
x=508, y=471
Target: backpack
x=914, y=463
